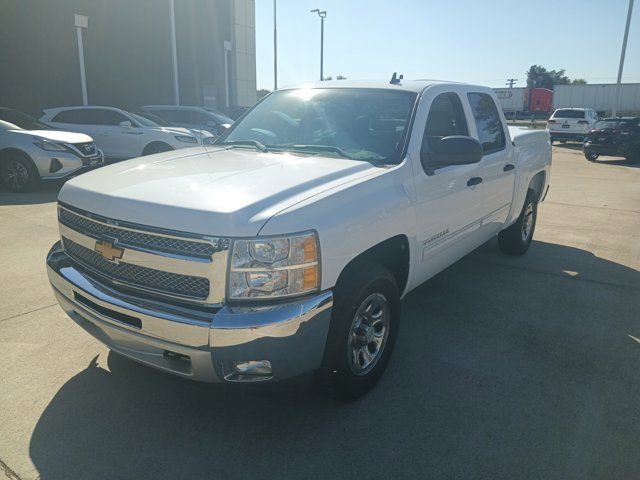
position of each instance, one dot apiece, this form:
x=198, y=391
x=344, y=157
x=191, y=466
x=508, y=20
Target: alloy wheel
x=15, y=175
x=368, y=334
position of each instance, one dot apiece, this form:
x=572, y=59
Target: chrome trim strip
x=274, y=269
x=219, y=242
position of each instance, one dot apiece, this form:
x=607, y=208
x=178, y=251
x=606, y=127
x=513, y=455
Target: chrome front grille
x=134, y=238
x=158, y=262
x=137, y=276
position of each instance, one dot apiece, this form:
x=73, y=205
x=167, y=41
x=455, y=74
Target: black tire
x=365, y=283
x=18, y=173
x=591, y=156
x=563, y=141
x=515, y=240
x=156, y=147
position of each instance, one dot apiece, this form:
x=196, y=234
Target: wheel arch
x=148, y=146
x=537, y=184
x=393, y=253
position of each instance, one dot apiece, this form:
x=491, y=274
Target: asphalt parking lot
x=505, y=368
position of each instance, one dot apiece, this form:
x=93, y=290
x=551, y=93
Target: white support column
x=227, y=49
x=174, y=52
x=82, y=21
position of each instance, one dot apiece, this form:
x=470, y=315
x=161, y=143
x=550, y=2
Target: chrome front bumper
x=203, y=345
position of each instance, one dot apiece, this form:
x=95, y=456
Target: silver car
x=30, y=156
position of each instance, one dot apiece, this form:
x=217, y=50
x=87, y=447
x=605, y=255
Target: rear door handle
x=474, y=181
x=508, y=167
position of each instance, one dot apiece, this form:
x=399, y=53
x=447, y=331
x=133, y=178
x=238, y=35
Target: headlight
x=49, y=146
x=208, y=140
x=274, y=267
x=186, y=139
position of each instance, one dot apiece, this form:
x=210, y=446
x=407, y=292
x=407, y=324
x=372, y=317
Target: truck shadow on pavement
x=44, y=194
x=504, y=368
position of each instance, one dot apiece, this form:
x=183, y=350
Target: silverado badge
x=108, y=251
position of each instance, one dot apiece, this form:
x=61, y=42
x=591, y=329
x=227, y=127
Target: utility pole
x=275, y=49
x=322, y=14
x=510, y=82
x=616, y=99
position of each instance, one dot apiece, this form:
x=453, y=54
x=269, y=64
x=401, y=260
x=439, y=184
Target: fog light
x=253, y=367
x=55, y=165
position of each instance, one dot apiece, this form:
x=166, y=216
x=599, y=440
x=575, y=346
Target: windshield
x=361, y=124
x=568, y=113
x=22, y=120
x=143, y=121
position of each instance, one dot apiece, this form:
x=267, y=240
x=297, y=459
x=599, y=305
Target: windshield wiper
x=254, y=143
x=313, y=148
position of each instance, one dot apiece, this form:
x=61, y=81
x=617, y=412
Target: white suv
x=121, y=134
x=571, y=123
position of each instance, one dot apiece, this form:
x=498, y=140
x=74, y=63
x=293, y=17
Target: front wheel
x=18, y=173
x=591, y=156
x=515, y=240
x=363, y=331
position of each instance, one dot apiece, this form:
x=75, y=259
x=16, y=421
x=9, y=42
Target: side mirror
x=125, y=124
x=452, y=150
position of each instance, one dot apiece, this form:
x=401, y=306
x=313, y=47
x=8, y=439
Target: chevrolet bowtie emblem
x=108, y=251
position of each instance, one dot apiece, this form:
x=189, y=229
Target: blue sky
x=478, y=41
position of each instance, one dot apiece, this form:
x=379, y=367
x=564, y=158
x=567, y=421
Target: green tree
x=578, y=81
x=540, y=77
x=263, y=92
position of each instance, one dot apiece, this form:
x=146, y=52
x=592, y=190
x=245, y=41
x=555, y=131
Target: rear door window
x=488, y=123
x=174, y=116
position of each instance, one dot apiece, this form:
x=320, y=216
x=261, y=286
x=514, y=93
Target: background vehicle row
x=121, y=134
x=30, y=151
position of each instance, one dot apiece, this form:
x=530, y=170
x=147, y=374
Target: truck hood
x=57, y=135
x=209, y=191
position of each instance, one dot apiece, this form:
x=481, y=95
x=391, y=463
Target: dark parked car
x=616, y=137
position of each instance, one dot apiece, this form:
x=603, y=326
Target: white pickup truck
x=285, y=248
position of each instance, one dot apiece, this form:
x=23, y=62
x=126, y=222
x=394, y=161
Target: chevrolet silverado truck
x=286, y=247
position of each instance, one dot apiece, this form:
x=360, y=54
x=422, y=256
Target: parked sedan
x=28, y=156
x=191, y=117
x=616, y=137
x=118, y=133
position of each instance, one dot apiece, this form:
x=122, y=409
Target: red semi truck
x=525, y=100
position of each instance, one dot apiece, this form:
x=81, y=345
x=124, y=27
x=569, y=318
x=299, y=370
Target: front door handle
x=508, y=167
x=474, y=181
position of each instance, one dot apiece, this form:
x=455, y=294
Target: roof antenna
x=395, y=79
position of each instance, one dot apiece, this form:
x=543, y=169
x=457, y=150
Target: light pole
x=174, y=52
x=322, y=14
x=624, y=49
x=81, y=21
x=275, y=49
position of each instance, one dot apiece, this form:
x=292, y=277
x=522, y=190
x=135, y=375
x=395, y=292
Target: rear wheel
x=363, y=330
x=18, y=173
x=515, y=240
x=591, y=156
